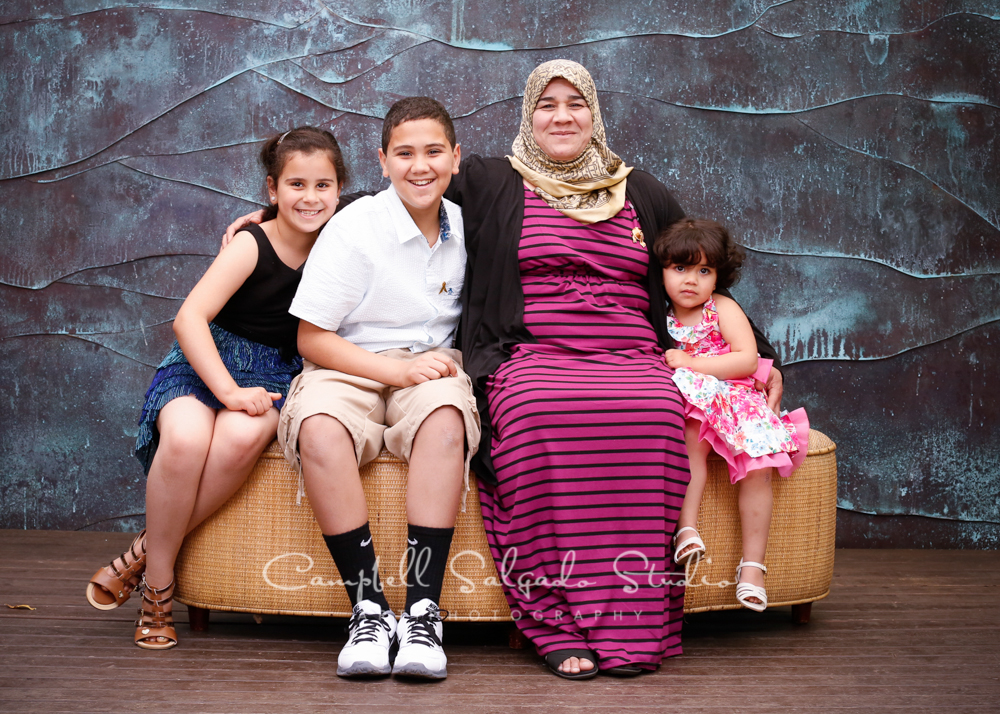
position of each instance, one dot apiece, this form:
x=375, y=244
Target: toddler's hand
x=253, y=400
x=428, y=366
x=677, y=359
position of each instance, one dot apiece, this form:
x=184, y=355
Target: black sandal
x=624, y=670
x=554, y=659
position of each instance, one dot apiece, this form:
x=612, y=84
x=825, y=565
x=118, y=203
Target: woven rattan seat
x=263, y=553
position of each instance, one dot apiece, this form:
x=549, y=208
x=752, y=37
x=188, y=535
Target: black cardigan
x=491, y=195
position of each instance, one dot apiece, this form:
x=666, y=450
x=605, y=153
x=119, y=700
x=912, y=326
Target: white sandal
x=695, y=553
x=744, y=591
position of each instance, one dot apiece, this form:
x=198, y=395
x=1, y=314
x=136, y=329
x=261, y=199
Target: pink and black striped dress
x=588, y=448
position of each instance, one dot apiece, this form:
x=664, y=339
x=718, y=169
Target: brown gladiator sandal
x=153, y=621
x=112, y=585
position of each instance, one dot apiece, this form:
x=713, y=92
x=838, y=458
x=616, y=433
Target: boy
x=379, y=305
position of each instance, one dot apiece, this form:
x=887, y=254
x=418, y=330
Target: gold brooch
x=638, y=237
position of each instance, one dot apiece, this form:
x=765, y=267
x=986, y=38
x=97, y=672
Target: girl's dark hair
x=685, y=241
x=303, y=139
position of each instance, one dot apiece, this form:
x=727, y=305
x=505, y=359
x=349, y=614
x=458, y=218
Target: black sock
x=427, y=550
x=354, y=555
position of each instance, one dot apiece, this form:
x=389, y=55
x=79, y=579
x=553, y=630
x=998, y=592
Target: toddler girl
x=715, y=369
x=213, y=404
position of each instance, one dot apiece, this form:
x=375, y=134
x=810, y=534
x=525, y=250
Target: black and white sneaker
x=372, y=632
x=420, y=652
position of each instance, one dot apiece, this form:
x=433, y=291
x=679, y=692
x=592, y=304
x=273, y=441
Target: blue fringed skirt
x=251, y=364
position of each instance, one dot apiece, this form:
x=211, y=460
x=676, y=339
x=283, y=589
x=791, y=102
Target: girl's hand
x=428, y=366
x=677, y=359
x=253, y=400
x=239, y=223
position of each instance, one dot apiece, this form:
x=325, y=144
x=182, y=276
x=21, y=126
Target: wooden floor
x=907, y=631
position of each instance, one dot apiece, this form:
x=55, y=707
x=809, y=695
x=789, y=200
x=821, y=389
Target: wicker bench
x=262, y=553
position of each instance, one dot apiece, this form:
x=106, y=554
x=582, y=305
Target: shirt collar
x=402, y=222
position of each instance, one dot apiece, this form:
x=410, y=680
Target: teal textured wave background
x=851, y=146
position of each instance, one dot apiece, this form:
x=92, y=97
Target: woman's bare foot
x=572, y=663
x=575, y=665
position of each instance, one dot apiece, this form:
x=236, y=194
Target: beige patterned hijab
x=591, y=187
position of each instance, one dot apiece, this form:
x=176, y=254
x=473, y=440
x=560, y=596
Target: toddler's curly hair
x=685, y=241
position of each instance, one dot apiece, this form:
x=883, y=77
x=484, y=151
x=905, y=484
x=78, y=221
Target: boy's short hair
x=413, y=108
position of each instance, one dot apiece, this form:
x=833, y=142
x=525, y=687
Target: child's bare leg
x=756, y=501
x=238, y=441
x=186, y=426
x=698, y=452
x=333, y=483
x=330, y=472
x=437, y=464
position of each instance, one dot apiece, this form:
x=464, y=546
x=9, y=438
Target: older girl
x=213, y=404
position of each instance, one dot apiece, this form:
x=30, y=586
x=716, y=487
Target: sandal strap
x=132, y=565
x=121, y=576
x=154, y=622
x=144, y=632
x=119, y=588
x=154, y=616
x=156, y=631
x=147, y=588
x=750, y=563
x=684, y=528
x=693, y=540
x=748, y=590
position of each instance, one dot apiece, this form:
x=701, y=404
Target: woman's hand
x=252, y=400
x=677, y=359
x=774, y=389
x=428, y=366
x=239, y=223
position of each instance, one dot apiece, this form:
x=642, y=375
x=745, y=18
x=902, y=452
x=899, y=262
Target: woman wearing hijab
x=582, y=457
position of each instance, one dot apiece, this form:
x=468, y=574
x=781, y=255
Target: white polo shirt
x=372, y=278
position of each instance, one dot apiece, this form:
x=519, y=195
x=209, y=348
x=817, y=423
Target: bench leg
x=800, y=613
x=515, y=638
x=198, y=618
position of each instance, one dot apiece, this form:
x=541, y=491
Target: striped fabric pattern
x=588, y=448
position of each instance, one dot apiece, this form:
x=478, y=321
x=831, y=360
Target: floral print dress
x=734, y=416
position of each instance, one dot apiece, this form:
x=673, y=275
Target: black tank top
x=258, y=310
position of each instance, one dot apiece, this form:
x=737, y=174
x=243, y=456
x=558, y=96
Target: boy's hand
x=239, y=223
x=677, y=359
x=253, y=400
x=428, y=366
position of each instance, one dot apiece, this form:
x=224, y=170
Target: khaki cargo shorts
x=375, y=413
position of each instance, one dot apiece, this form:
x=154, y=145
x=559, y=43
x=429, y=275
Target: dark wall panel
x=851, y=146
